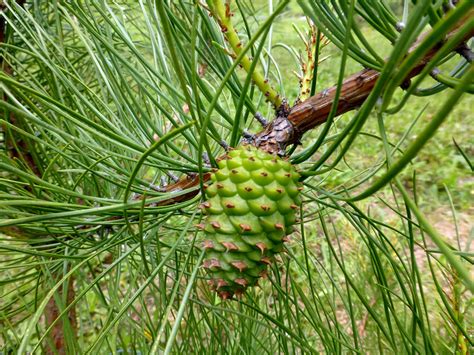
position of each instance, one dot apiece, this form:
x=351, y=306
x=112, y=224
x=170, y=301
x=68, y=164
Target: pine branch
x=355, y=89
x=290, y=124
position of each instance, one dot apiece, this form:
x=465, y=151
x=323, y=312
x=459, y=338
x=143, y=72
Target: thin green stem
x=223, y=14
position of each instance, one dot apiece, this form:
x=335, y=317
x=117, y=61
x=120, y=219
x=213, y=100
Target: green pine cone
x=251, y=207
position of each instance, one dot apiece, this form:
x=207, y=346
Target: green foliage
x=108, y=100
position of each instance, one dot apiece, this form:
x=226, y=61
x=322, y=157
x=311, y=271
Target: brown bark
x=315, y=110
x=18, y=148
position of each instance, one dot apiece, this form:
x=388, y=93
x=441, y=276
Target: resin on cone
x=251, y=205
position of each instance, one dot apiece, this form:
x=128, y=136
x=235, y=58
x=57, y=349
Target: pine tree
x=117, y=116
